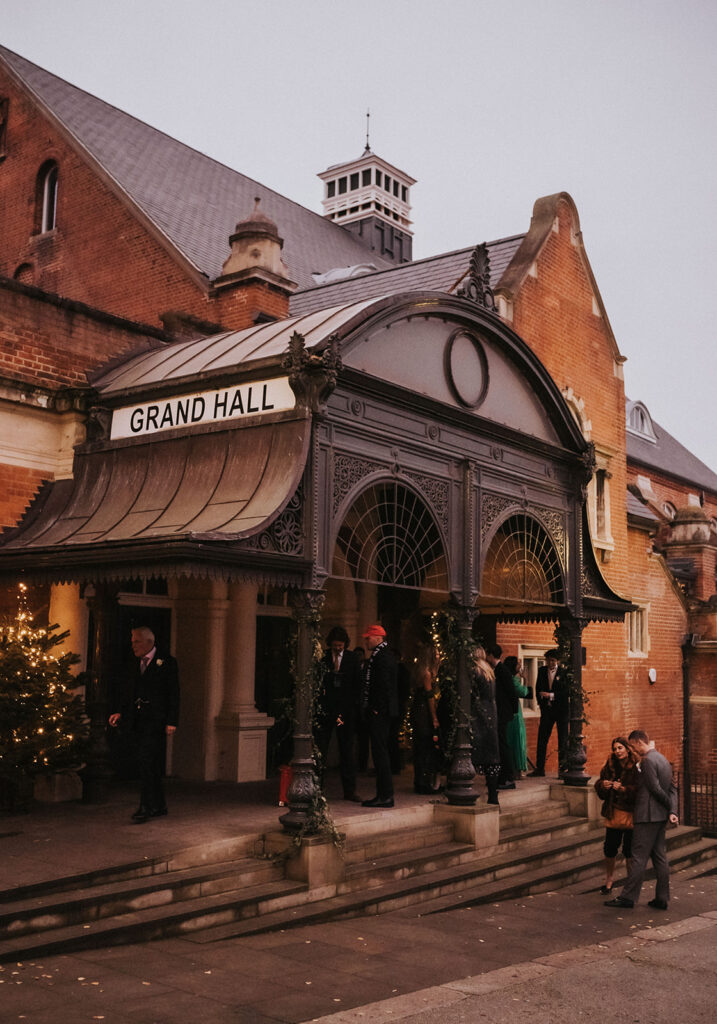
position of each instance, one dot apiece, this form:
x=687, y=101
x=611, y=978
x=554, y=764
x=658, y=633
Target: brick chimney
x=254, y=285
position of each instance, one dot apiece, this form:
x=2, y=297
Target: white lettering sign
x=233, y=403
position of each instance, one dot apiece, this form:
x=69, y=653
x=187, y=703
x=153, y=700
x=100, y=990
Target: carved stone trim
x=491, y=508
x=286, y=533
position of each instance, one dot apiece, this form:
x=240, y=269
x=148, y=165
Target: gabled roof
x=443, y=273
x=666, y=455
x=194, y=202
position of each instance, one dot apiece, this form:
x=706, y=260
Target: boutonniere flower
x=159, y=662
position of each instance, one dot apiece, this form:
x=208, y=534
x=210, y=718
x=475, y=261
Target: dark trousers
x=548, y=719
x=151, y=755
x=648, y=842
x=506, y=759
x=379, y=728
x=345, y=735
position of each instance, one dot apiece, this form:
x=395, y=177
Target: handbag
x=619, y=819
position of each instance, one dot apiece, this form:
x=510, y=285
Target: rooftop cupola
x=371, y=199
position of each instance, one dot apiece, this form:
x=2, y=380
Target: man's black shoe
x=506, y=785
x=353, y=798
x=536, y=774
x=139, y=819
x=658, y=904
x=140, y=815
x=620, y=901
x=375, y=802
x=157, y=814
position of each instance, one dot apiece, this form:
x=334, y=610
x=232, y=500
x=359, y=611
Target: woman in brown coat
x=617, y=787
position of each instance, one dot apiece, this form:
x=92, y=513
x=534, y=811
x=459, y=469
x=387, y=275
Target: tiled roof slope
x=194, y=200
x=667, y=456
x=436, y=273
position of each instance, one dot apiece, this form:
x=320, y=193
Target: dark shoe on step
x=621, y=902
x=506, y=785
x=605, y=890
x=353, y=798
x=658, y=904
x=140, y=815
x=375, y=802
x=537, y=774
x=157, y=814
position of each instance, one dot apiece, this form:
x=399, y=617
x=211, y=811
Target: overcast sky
x=488, y=104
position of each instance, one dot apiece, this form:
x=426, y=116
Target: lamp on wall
x=652, y=675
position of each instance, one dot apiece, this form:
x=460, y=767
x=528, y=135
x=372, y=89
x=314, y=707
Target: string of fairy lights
x=41, y=716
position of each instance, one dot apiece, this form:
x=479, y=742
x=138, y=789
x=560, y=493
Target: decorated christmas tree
x=42, y=721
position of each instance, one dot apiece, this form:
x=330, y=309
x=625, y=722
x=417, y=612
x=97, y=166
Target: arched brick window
x=46, y=197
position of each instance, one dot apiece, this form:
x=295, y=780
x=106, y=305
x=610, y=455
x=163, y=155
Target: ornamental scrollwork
x=286, y=533
x=348, y=471
x=437, y=493
x=493, y=506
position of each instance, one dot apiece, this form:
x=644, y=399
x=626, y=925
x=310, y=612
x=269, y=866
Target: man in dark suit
x=380, y=705
x=655, y=805
x=338, y=707
x=506, y=704
x=152, y=707
x=553, y=695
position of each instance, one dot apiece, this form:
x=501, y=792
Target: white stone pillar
x=241, y=729
x=69, y=611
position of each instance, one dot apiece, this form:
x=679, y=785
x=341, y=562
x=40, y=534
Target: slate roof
x=637, y=509
x=668, y=456
x=191, y=198
x=441, y=273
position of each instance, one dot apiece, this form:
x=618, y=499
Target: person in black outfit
x=551, y=689
x=380, y=704
x=152, y=709
x=507, y=704
x=338, y=707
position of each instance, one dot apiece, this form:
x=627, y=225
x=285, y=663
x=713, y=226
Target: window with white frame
x=638, y=637
x=532, y=657
x=46, y=197
x=599, y=511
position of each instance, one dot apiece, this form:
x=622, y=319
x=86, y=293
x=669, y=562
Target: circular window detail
x=466, y=369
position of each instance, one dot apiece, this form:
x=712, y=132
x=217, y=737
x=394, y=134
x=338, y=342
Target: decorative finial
x=368, y=147
x=476, y=285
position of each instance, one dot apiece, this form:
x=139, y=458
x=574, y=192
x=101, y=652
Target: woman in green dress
x=515, y=730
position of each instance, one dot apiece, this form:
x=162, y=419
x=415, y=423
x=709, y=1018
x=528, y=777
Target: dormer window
x=47, y=197
x=639, y=421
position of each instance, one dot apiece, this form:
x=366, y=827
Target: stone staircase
x=232, y=888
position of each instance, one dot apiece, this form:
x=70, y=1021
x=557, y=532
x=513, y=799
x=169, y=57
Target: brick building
x=122, y=248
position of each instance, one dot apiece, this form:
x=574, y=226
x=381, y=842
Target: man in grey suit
x=655, y=805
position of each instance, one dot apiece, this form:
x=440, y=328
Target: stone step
x=369, y=874
x=554, y=865
x=94, y=902
x=532, y=813
x=543, y=829
x=157, y=922
x=218, y=851
x=371, y=847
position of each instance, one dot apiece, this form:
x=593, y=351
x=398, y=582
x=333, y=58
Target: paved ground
x=545, y=959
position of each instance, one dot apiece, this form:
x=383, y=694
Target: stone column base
x=583, y=801
x=316, y=860
x=241, y=745
x=477, y=825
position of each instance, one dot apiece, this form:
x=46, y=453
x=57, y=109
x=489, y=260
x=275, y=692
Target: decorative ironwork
x=522, y=563
x=554, y=522
x=286, y=533
x=349, y=471
x=390, y=536
x=477, y=286
x=492, y=508
x=312, y=375
x=437, y=493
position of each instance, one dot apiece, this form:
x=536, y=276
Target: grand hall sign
x=233, y=403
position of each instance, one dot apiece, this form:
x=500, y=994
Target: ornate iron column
x=97, y=771
x=304, y=786
x=570, y=633
x=460, y=789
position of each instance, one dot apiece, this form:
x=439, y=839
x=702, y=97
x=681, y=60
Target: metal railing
x=698, y=800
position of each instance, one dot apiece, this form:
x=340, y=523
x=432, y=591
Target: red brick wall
x=100, y=253
x=18, y=486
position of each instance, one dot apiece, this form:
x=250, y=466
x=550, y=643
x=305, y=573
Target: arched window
x=25, y=273
x=669, y=509
x=522, y=563
x=389, y=536
x=639, y=421
x=46, y=197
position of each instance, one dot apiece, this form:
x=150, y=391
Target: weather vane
x=368, y=147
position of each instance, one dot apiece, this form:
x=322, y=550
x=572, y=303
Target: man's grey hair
x=145, y=632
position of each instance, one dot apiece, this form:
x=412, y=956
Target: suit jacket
x=560, y=705
x=152, y=697
x=382, y=669
x=656, y=796
x=340, y=692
